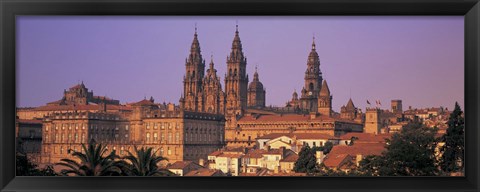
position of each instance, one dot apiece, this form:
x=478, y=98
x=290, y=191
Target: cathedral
x=244, y=104
x=203, y=92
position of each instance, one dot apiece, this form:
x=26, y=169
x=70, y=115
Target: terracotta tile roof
x=286, y=174
x=314, y=136
x=215, y=153
x=335, y=160
x=180, y=165
x=231, y=155
x=204, y=172
x=285, y=117
x=143, y=102
x=80, y=107
x=358, y=149
x=290, y=158
x=256, y=153
x=298, y=135
x=56, y=102
x=366, y=137
x=29, y=121
x=274, y=135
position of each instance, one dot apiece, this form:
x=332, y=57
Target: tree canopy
x=454, y=148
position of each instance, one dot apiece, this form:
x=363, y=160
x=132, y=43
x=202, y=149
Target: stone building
x=253, y=125
x=313, y=82
x=172, y=132
x=256, y=92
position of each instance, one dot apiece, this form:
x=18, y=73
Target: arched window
x=148, y=137
x=193, y=74
x=310, y=86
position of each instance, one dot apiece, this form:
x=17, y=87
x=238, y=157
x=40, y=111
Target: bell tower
x=313, y=82
x=236, y=79
x=194, y=73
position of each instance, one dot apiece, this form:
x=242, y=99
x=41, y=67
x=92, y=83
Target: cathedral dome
x=255, y=84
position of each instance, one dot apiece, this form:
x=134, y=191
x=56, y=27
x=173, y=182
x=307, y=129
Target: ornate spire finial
x=313, y=41
x=236, y=26
x=195, y=28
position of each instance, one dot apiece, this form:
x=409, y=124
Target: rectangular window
x=126, y=127
x=177, y=137
x=169, y=137
x=163, y=125
x=155, y=137
x=148, y=125
x=46, y=128
x=162, y=137
x=154, y=125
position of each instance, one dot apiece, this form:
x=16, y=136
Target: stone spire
x=236, y=55
x=325, y=91
x=255, y=75
x=350, y=104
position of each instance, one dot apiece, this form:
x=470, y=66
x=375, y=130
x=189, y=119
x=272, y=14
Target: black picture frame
x=9, y=9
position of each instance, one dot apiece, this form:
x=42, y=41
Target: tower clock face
x=310, y=93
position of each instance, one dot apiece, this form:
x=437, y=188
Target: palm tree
x=93, y=162
x=144, y=163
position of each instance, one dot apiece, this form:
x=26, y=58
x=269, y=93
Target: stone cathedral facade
x=244, y=104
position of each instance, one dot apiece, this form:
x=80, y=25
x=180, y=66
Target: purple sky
x=417, y=59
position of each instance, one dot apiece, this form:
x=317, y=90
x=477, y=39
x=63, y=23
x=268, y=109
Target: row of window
x=66, y=150
x=148, y=137
x=161, y=125
x=76, y=137
x=77, y=126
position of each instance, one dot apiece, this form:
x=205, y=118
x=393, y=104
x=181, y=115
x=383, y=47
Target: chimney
x=201, y=162
x=276, y=169
x=358, y=159
x=283, y=152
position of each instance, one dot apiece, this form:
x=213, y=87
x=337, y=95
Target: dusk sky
x=419, y=60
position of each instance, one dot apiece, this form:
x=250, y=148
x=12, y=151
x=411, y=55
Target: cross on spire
x=236, y=26
x=313, y=41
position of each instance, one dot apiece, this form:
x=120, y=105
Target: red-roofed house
x=343, y=156
x=182, y=167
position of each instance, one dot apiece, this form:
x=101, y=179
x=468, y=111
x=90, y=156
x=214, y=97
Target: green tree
x=94, y=162
x=24, y=167
x=306, y=162
x=409, y=153
x=144, y=163
x=327, y=147
x=454, y=139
